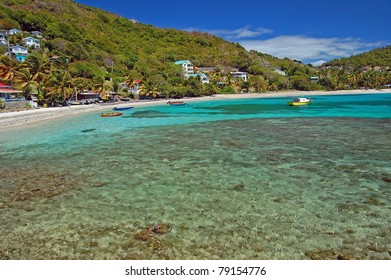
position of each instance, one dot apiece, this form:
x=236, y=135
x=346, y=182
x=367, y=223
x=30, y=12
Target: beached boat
x=299, y=101
x=111, y=114
x=176, y=103
x=122, y=108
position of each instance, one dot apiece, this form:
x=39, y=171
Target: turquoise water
x=234, y=179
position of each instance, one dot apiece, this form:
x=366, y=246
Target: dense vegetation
x=97, y=50
x=367, y=70
x=378, y=57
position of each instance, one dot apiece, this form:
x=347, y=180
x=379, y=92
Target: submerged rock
x=148, y=233
x=239, y=187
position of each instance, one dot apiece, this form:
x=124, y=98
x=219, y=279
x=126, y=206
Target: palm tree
x=59, y=86
x=7, y=68
x=38, y=66
x=149, y=89
x=99, y=84
x=24, y=80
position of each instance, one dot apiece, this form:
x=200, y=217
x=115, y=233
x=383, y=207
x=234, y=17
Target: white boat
x=299, y=101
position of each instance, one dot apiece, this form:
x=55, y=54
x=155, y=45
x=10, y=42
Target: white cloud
x=239, y=33
x=318, y=63
x=309, y=49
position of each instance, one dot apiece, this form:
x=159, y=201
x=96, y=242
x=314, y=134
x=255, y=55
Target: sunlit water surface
x=234, y=179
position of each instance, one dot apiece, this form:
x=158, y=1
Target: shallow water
x=244, y=179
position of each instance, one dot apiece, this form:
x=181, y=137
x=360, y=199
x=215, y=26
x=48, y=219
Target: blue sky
x=309, y=31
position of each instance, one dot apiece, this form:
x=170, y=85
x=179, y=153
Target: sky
x=308, y=31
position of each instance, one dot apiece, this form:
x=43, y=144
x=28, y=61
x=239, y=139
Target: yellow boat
x=111, y=114
x=300, y=101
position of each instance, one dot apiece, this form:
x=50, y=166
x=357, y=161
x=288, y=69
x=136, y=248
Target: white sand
x=29, y=117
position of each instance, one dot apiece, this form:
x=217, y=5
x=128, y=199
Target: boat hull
x=122, y=108
x=298, y=103
x=113, y=114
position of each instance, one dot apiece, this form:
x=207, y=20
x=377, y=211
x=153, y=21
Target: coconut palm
x=24, y=80
x=99, y=85
x=7, y=68
x=38, y=67
x=149, y=89
x=59, y=86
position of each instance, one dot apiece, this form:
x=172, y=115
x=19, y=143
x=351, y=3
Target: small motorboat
x=122, y=108
x=176, y=103
x=111, y=114
x=300, y=101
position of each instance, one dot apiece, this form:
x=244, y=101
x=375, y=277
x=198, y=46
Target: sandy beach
x=34, y=116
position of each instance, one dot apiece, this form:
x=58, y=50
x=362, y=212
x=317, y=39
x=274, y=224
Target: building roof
x=180, y=62
x=8, y=90
x=17, y=46
x=2, y=85
x=31, y=38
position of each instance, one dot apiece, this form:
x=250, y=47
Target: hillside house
x=187, y=67
x=20, y=53
x=31, y=42
x=279, y=71
x=37, y=34
x=202, y=76
x=206, y=69
x=14, y=31
x=3, y=39
x=240, y=75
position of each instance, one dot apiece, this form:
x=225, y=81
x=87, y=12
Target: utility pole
x=8, y=47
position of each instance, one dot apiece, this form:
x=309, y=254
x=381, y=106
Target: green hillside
x=380, y=57
x=90, y=34
x=85, y=48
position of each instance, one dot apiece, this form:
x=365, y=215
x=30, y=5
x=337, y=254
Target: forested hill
x=378, y=57
x=83, y=48
x=86, y=33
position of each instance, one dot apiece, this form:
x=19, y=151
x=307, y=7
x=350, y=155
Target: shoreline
x=36, y=116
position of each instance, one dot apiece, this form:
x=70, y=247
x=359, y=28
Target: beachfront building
x=31, y=42
x=187, y=67
x=7, y=93
x=240, y=75
x=314, y=79
x=88, y=97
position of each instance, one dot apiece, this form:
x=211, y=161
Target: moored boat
x=176, y=103
x=122, y=108
x=111, y=114
x=300, y=101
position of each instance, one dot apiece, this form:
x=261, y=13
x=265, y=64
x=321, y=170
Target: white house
x=32, y=42
x=314, y=79
x=14, y=31
x=279, y=71
x=37, y=34
x=187, y=67
x=240, y=75
x=3, y=39
x=20, y=53
x=202, y=76
x=18, y=50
